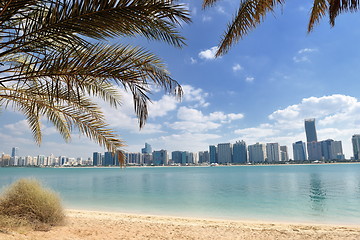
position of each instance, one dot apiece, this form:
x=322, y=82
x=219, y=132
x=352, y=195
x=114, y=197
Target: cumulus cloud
x=193, y=120
x=337, y=117
x=195, y=95
x=249, y=79
x=302, y=56
x=306, y=50
x=208, y=54
x=237, y=67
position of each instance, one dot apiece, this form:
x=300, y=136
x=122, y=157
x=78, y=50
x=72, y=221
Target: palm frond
x=319, y=10
x=208, y=3
x=340, y=6
x=249, y=15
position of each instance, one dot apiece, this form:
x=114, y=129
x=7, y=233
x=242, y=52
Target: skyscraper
x=97, y=158
x=257, y=152
x=224, y=153
x=299, y=151
x=239, y=152
x=147, y=149
x=356, y=145
x=314, y=150
x=273, y=152
x=213, y=154
x=310, y=130
x=284, y=155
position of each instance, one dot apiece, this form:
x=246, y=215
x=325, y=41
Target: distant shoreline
x=192, y=165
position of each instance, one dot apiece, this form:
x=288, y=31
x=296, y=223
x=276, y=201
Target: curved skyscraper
x=310, y=130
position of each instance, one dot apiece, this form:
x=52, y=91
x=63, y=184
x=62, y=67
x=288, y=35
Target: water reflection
x=317, y=193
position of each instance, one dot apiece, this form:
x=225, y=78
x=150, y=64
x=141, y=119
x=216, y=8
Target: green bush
x=27, y=200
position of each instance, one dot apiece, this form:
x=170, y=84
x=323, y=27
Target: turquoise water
x=297, y=193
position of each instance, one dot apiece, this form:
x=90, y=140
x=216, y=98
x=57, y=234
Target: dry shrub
x=27, y=201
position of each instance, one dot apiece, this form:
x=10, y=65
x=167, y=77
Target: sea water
x=293, y=193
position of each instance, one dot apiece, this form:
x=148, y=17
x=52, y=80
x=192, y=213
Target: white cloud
x=161, y=107
x=208, y=54
x=306, y=50
x=299, y=59
x=193, y=120
x=19, y=128
x=302, y=56
x=237, y=67
x=249, y=79
x=220, y=9
x=195, y=95
x=193, y=60
x=337, y=117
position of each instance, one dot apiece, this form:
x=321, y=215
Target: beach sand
x=103, y=225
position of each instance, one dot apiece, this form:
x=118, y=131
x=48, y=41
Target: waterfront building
x=299, y=151
x=176, y=157
x=213, y=154
x=310, y=130
x=96, y=159
x=14, y=156
x=284, y=155
x=160, y=157
x=239, y=152
x=146, y=159
x=133, y=158
x=331, y=149
x=257, y=153
x=40, y=160
x=356, y=146
x=147, y=149
x=336, y=151
x=204, y=157
x=109, y=159
x=273, y=152
x=224, y=152
x=314, y=150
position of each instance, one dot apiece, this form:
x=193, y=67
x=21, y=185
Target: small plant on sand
x=26, y=202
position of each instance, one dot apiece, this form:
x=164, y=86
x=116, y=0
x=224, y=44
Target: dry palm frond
x=50, y=67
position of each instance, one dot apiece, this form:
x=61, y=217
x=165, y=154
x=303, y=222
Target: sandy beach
x=105, y=225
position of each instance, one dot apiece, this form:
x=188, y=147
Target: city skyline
x=259, y=92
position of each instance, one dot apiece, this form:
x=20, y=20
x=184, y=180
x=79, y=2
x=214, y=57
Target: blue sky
x=261, y=91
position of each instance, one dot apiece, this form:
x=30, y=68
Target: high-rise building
x=336, y=151
x=160, y=157
x=109, y=159
x=284, y=155
x=133, y=158
x=14, y=152
x=239, y=152
x=299, y=151
x=213, y=154
x=257, y=153
x=97, y=158
x=147, y=149
x=273, y=152
x=310, y=130
x=356, y=146
x=224, y=153
x=314, y=150
x=204, y=157
x=176, y=157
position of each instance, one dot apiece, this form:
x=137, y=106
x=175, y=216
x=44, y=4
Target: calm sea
x=296, y=193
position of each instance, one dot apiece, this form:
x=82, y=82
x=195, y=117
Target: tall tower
x=356, y=145
x=310, y=130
